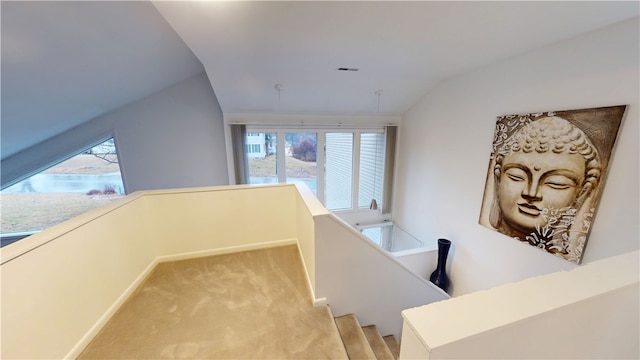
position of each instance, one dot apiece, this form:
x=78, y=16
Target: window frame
x=321, y=132
x=9, y=238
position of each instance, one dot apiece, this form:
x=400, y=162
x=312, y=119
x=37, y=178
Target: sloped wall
x=171, y=139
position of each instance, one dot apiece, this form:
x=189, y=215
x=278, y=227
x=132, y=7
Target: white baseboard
x=102, y=321
x=227, y=250
x=317, y=302
x=320, y=302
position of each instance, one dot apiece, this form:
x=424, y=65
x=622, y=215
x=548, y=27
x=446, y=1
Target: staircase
x=365, y=342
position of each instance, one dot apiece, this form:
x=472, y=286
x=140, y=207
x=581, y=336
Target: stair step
x=393, y=345
x=354, y=339
x=377, y=343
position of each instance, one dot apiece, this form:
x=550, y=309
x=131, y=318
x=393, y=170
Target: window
x=262, y=168
x=70, y=188
x=371, y=169
x=346, y=175
x=338, y=171
x=300, y=160
x=254, y=149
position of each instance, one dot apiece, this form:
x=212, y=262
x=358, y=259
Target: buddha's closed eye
x=516, y=174
x=559, y=182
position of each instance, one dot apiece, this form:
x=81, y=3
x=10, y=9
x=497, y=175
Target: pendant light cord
x=278, y=87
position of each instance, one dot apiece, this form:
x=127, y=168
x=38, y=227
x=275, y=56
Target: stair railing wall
x=357, y=276
x=191, y=221
x=308, y=208
x=589, y=312
x=60, y=286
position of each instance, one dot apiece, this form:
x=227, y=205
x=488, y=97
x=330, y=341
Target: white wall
x=60, y=286
x=308, y=207
x=422, y=261
x=590, y=312
x=445, y=142
x=357, y=276
x=171, y=139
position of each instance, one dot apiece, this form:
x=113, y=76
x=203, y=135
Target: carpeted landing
x=249, y=305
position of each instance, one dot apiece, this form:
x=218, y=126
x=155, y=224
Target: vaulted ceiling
x=65, y=63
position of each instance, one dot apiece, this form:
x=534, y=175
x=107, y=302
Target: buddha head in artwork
x=548, y=165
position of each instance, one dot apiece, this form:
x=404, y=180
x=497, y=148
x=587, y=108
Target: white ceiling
x=404, y=48
x=64, y=63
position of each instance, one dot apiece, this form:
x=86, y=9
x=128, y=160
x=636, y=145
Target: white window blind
x=371, y=168
x=338, y=170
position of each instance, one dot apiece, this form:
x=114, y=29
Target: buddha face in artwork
x=549, y=164
x=531, y=182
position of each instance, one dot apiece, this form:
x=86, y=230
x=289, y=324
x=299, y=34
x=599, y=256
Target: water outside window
x=72, y=187
x=300, y=161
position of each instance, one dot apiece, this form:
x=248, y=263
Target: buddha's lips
x=529, y=209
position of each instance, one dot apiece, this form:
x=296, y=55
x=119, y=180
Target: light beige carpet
x=249, y=305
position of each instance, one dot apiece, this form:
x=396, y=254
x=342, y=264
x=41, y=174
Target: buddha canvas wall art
x=546, y=174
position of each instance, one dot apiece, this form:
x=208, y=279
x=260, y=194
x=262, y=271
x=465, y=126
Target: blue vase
x=439, y=276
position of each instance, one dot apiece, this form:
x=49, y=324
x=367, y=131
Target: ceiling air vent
x=347, y=69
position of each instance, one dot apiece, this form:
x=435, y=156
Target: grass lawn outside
x=33, y=211
x=38, y=211
x=266, y=167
